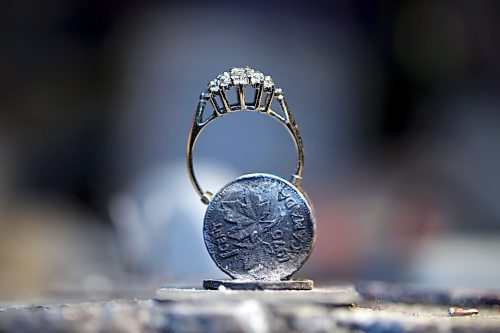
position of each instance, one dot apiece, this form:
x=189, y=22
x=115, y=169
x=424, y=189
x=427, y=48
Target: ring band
x=265, y=92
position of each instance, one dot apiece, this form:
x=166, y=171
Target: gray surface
x=409, y=293
x=194, y=310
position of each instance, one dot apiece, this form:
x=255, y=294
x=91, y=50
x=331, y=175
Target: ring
x=265, y=92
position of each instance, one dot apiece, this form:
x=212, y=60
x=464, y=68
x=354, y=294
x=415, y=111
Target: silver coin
x=259, y=227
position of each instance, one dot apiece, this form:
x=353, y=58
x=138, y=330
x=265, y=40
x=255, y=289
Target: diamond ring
x=241, y=80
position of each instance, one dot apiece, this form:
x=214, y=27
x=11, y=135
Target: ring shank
x=199, y=124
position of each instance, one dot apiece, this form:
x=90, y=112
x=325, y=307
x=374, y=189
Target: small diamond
x=239, y=76
x=249, y=71
x=213, y=86
x=256, y=77
x=224, y=80
x=268, y=83
x=278, y=93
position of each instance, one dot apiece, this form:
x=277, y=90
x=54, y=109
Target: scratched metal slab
x=338, y=295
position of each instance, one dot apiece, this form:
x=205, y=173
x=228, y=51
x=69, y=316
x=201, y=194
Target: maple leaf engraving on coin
x=250, y=217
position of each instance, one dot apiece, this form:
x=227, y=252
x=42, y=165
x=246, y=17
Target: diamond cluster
x=241, y=76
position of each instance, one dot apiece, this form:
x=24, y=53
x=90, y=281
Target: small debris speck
x=459, y=312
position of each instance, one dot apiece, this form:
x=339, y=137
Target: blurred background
x=397, y=101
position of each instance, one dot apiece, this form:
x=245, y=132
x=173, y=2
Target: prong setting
x=241, y=78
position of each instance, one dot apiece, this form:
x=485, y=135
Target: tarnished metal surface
x=259, y=227
x=258, y=285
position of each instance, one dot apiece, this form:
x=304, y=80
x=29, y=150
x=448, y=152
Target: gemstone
x=268, y=83
x=278, y=93
x=239, y=76
x=213, y=86
x=249, y=71
x=256, y=78
x=224, y=80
